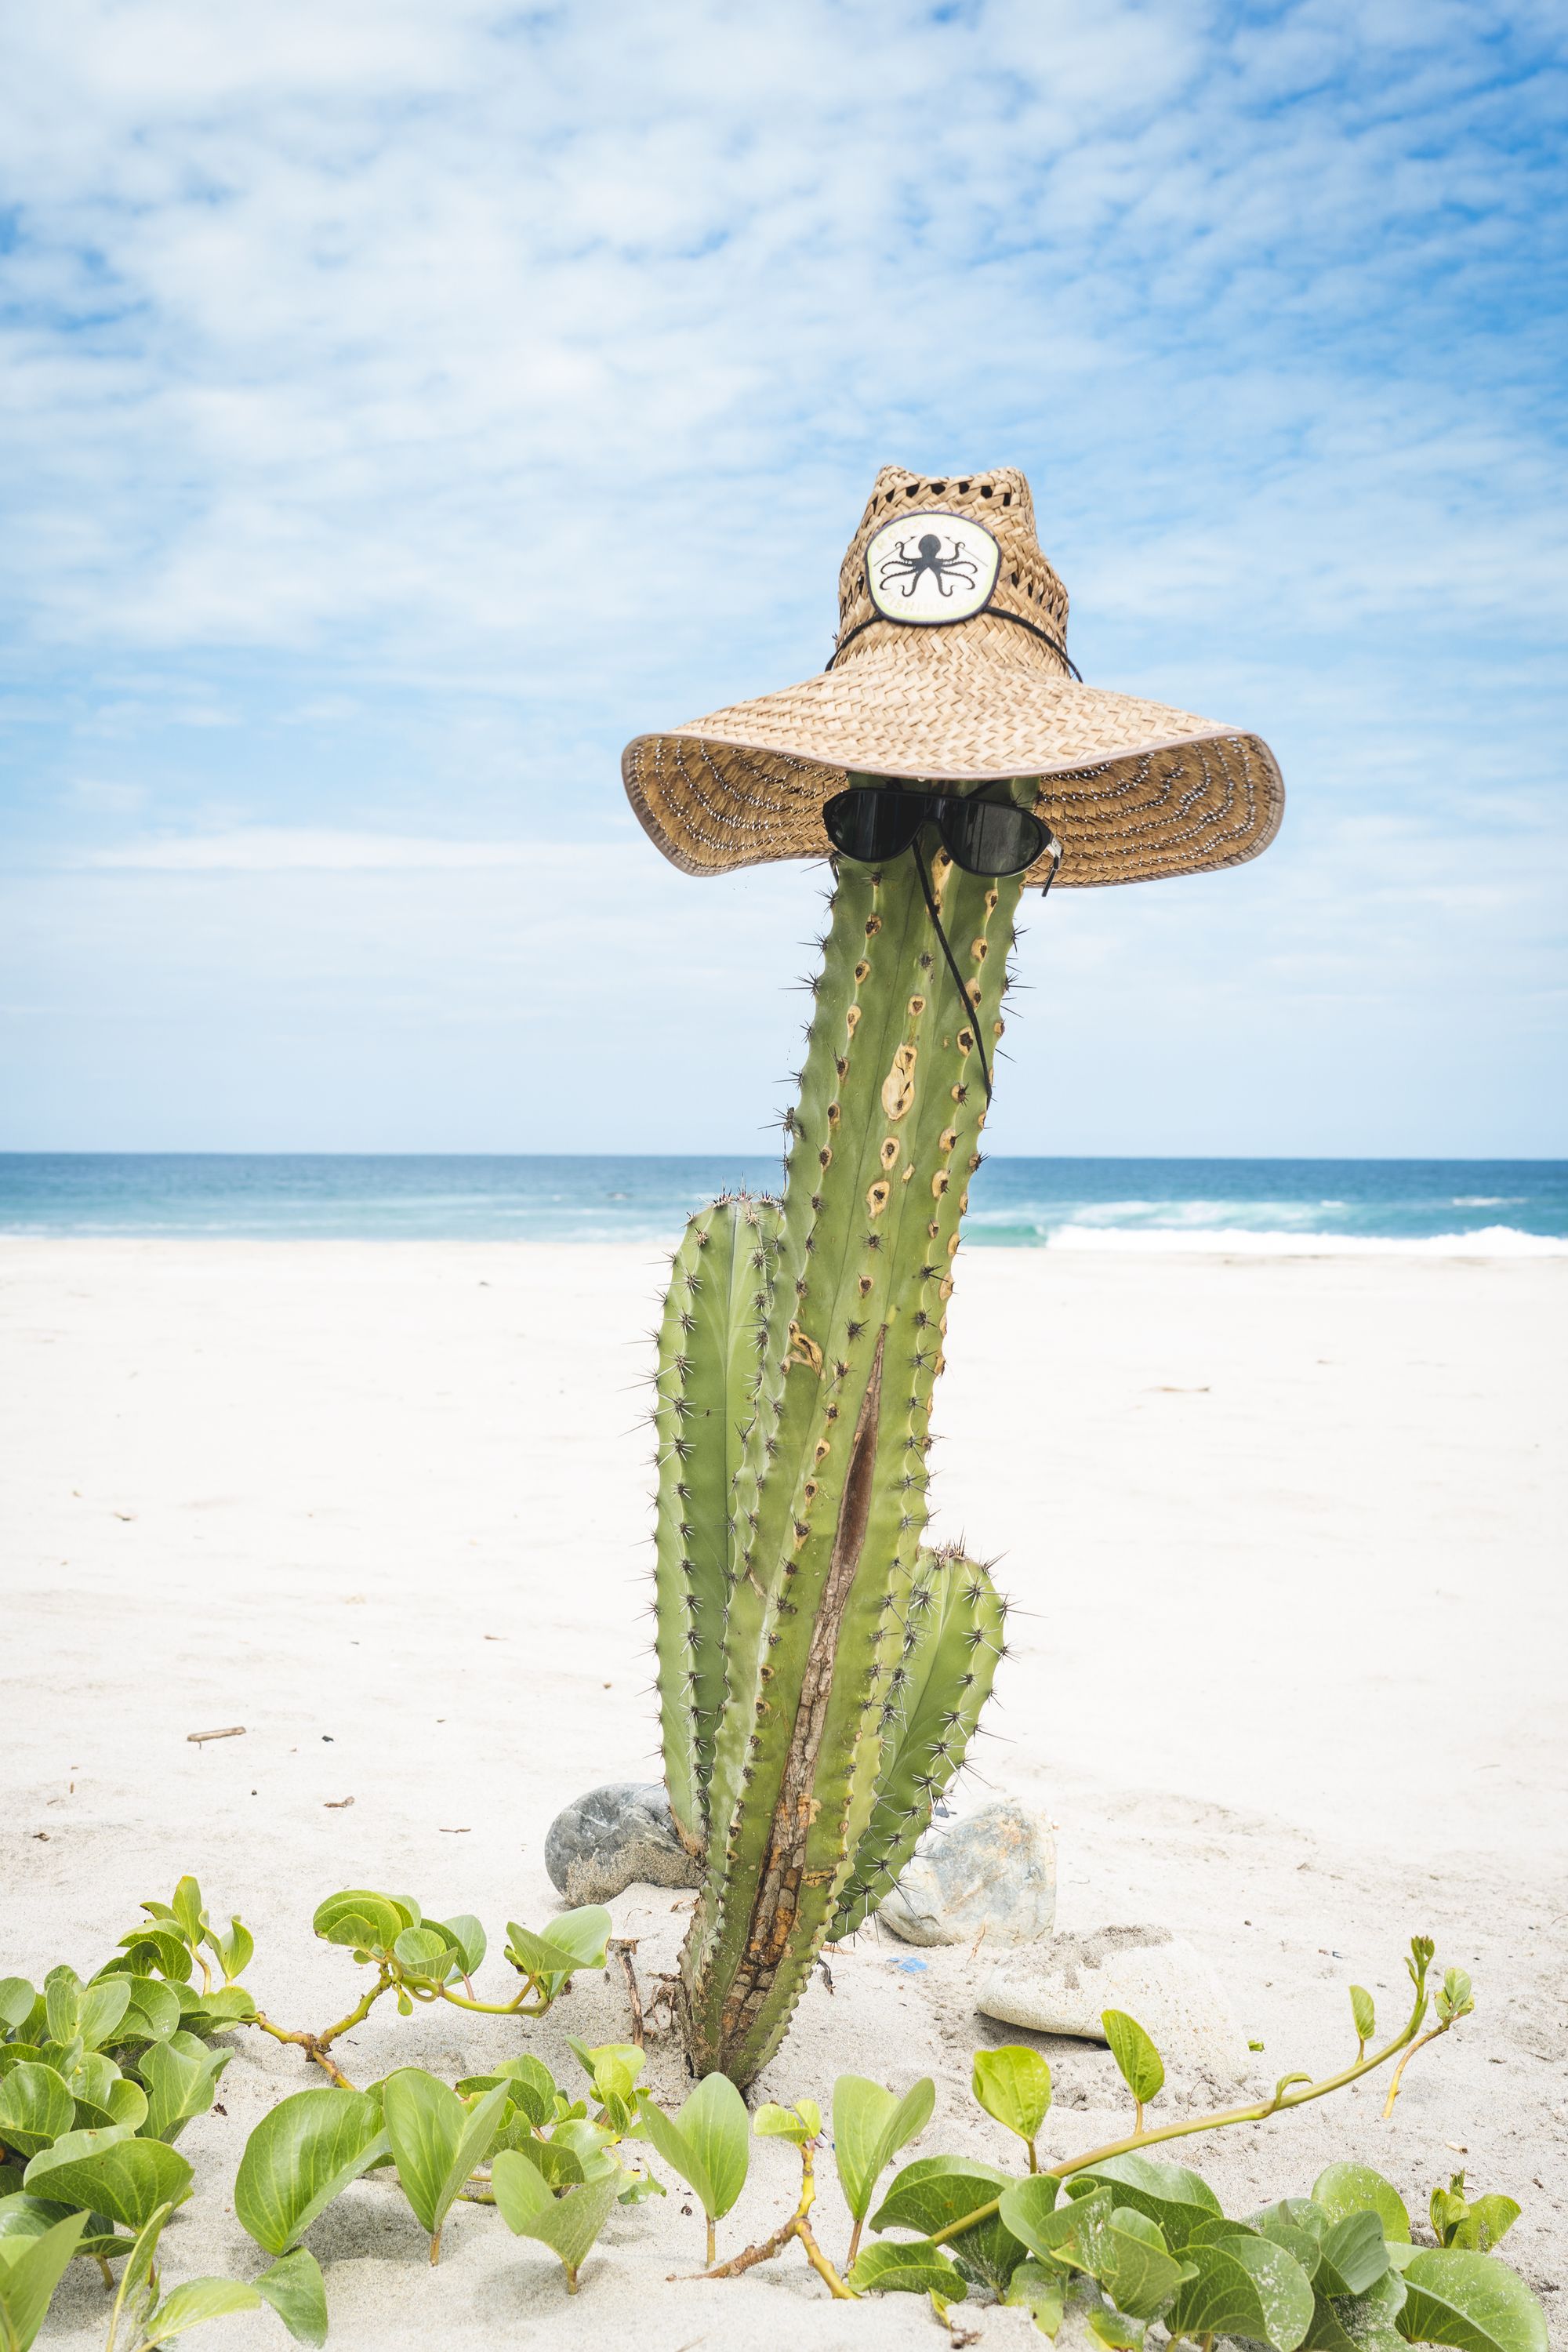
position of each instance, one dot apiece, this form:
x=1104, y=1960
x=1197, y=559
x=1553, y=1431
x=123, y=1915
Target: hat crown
x=1027, y=588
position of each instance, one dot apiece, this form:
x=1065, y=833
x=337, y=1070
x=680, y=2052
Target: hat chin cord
x=923, y=871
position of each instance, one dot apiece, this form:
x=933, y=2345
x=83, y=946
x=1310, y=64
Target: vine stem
x=317, y=2045
x=798, y=2227
x=1284, y=2097
x=516, y=2008
x=1399, y=2070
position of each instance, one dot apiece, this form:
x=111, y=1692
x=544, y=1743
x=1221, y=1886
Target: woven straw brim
x=1134, y=790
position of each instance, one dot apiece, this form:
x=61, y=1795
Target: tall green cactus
x=820, y=1673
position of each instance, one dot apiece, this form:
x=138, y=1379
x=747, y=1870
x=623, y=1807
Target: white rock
x=1062, y=1986
x=992, y=1874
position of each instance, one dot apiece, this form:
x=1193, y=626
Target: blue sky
x=397, y=398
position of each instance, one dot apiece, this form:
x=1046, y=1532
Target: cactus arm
x=832, y=1493
x=950, y=1644
x=709, y=1348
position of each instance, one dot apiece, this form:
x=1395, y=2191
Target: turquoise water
x=1503, y=1206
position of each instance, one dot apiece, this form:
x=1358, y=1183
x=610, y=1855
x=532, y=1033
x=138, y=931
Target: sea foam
x=1488, y=1241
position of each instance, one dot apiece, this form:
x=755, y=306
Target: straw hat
x=951, y=664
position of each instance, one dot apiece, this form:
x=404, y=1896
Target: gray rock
x=615, y=1835
x=1063, y=1985
x=989, y=1876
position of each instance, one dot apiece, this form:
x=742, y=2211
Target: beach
x=1285, y=1542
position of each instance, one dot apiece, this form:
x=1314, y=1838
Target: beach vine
x=99, y=2078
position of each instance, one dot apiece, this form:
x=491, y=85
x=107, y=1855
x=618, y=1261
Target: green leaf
x=102, y=2007
x=1454, y=1997
x=1487, y=2220
x=713, y=2123
x=1245, y=2286
x=17, y=2000
x=437, y=2140
x=138, y=2286
x=235, y=1951
x=22, y=2216
x=1013, y=2084
x=1122, y=2249
x=590, y=2143
x=1354, y=2256
x=63, y=1990
x=1042, y=2291
x=1470, y=2300
x=869, y=2126
x=180, y=2084
x=575, y=1940
x=1356, y=2189
x=189, y=1913
x=428, y=1953
x=154, y=1947
x=1135, y=2054
x=152, y=2012
x=30, y=2270
x=1032, y=2213
x=584, y=1933
x=1364, y=2322
x=108, y=2171
x=613, y=2068
x=125, y=2103
x=297, y=2292
x=531, y=2084
x=707, y=2144
x=1113, y=2329
x=1171, y=2195
x=800, y=2123
x=468, y=1935
x=194, y=2303
x=1117, y=2246
x=304, y=2152
x=1363, y=2012
x=568, y=2225
x=912, y=2268
x=361, y=1920
x=934, y=2191
x=217, y=2011
x=35, y=2108
x=557, y=2159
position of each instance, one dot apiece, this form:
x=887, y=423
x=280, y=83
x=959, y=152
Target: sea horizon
x=1274, y=1205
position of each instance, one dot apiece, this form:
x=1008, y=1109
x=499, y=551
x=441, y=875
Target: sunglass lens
x=992, y=837
x=870, y=827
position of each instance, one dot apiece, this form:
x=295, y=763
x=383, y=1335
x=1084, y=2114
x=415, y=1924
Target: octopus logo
x=932, y=568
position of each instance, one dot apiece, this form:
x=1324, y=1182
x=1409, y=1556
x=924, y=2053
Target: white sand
x=1287, y=1542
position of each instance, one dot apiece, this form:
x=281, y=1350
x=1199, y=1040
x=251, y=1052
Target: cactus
x=820, y=1674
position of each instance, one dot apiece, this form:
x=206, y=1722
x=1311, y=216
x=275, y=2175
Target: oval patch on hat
x=931, y=568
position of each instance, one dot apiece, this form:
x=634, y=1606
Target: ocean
x=1301, y=1207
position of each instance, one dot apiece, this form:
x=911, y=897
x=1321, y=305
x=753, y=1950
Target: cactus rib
x=708, y=1350
x=951, y=1643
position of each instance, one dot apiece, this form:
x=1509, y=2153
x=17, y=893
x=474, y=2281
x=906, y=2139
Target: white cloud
x=279, y=849
x=396, y=392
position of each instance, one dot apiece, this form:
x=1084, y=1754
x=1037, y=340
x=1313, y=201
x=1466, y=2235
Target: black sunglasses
x=983, y=837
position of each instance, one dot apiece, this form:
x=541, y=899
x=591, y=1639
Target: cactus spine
x=819, y=1674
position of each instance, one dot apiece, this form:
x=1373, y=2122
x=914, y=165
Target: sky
x=406, y=402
